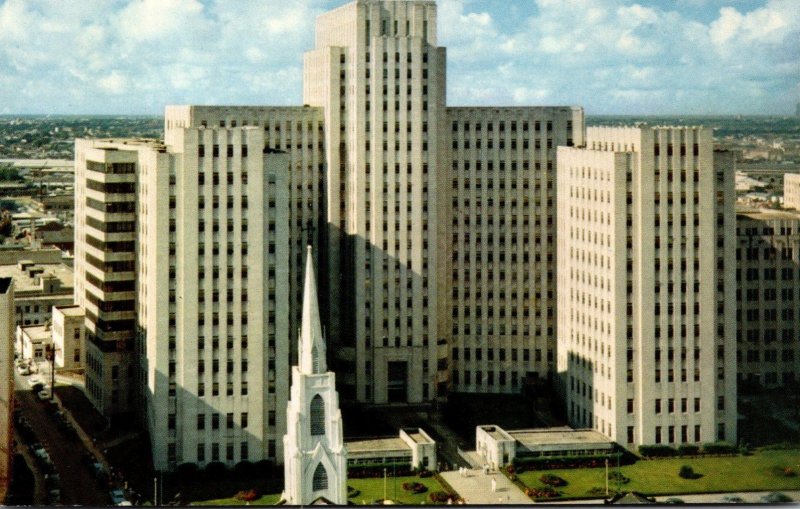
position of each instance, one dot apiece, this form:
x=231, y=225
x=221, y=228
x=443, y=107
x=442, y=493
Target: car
x=776, y=497
x=34, y=380
x=674, y=500
x=44, y=394
x=38, y=386
x=24, y=370
x=732, y=499
x=117, y=496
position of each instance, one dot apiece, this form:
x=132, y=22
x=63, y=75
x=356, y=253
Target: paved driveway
x=476, y=488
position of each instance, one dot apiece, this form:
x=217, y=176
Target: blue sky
x=610, y=56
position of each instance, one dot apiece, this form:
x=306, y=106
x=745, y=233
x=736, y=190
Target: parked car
x=38, y=386
x=34, y=380
x=732, y=499
x=117, y=496
x=776, y=497
x=44, y=394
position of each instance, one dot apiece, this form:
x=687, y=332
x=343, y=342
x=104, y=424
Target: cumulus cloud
x=642, y=56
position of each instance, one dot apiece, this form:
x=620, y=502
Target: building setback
x=646, y=350
x=767, y=297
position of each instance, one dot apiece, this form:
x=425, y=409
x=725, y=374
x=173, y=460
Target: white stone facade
x=6, y=382
x=502, y=297
x=646, y=349
x=768, y=297
x=214, y=207
x=68, y=336
x=315, y=458
x=791, y=191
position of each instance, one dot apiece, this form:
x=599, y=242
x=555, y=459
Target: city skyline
x=610, y=56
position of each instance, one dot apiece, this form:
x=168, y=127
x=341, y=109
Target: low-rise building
x=68, y=336
x=34, y=340
x=498, y=447
x=38, y=286
x=413, y=448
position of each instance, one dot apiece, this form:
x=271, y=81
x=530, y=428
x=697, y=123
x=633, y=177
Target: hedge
x=688, y=450
x=376, y=470
x=539, y=463
x=657, y=451
x=719, y=448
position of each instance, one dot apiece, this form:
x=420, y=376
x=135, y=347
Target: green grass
x=660, y=476
x=263, y=500
x=372, y=490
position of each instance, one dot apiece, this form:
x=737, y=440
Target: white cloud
x=115, y=83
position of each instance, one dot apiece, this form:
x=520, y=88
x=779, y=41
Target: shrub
x=719, y=448
x=536, y=463
x=247, y=495
x=780, y=471
x=216, y=468
x=657, y=451
x=687, y=472
x=544, y=492
x=187, y=469
x=425, y=473
x=439, y=497
x=688, y=450
x=352, y=492
x=552, y=480
x=415, y=487
x=618, y=477
x=511, y=469
x=244, y=468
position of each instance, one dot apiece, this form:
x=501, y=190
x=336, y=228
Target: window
x=320, y=481
x=318, y=419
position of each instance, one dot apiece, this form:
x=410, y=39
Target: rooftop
x=376, y=445
x=73, y=310
x=23, y=283
x=38, y=333
x=557, y=436
x=764, y=213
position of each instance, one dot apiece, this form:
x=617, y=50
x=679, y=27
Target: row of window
x=501, y=354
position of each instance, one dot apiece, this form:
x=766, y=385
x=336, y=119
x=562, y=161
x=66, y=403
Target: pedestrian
x=494, y=485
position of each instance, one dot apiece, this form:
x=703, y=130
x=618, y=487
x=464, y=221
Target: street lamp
x=384, y=485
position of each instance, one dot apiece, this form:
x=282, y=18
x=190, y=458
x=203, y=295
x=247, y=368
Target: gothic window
x=320, y=481
x=317, y=417
x=315, y=360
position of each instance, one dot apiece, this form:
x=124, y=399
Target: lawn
x=660, y=476
x=371, y=490
x=264, y=500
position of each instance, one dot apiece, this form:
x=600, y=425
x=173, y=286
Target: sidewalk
x=476, y=488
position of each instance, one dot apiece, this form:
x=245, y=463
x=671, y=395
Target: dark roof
x=631, y=498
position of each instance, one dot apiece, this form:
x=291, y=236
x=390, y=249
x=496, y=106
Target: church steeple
x=312, y=344
x=315, y=460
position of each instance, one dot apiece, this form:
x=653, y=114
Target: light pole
x=606, y=476
x=384, y=485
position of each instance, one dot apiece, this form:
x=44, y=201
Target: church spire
x=312, y=344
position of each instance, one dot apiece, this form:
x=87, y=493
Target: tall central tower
x=380, y=78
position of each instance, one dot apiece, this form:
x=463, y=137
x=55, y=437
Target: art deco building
x=388, y=184
x=646, y=346
x=182, y=262
x=767, y=297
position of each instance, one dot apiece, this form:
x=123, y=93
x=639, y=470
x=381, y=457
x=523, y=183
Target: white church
x=315, y=457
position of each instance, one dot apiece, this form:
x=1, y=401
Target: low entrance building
x=413, y=449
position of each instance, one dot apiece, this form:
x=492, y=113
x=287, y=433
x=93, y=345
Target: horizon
x=612, y=57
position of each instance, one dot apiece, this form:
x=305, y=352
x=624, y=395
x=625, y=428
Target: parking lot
x=62, y=461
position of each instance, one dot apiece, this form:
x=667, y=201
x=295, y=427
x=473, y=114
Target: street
x=78, y=485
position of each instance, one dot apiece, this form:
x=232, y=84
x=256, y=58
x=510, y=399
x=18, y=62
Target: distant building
x=768, y=297
x=6, y=383
x=68, y=336
x=38, y=287
x=315, y=457
x=791, y=191
x=646, y=325
x=414, y=448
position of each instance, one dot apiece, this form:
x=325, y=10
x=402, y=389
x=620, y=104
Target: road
x=78, y=485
